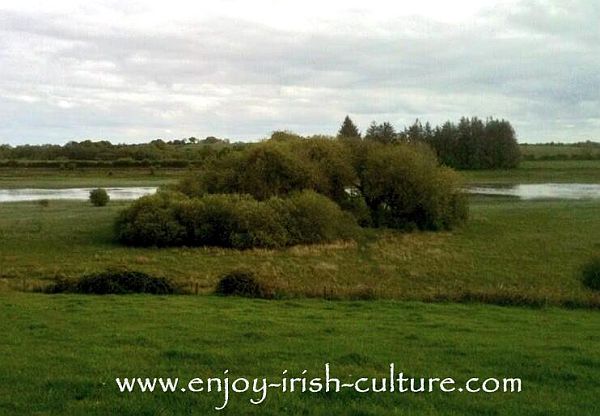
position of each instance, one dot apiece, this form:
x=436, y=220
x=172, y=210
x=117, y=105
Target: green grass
x=86, y=177
x=576, y=171
x=60, y=354
x=532, y=250
x=546, y=150
x=585, y=171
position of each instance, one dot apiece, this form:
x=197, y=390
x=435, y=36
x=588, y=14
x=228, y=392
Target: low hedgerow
x=590, y=275
x=236, y=221
x=114, y=282
x=242, y=283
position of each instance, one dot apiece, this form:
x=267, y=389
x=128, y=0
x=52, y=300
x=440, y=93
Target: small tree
x=99, y=197
x=348, y=129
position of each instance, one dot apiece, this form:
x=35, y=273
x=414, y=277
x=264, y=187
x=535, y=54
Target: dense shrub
x=312, y=218
x=398, y=185
x=278, y=167
x=114, y=282
x=99, y=197
x=151, y=221
x=231, y=220
x=591, y=274
x=241, y=283
x=404, y=187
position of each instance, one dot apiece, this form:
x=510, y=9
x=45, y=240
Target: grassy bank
x=582, y=171
x=60, y=354
x=577, y=171
x=509, y=249
x=86, y=177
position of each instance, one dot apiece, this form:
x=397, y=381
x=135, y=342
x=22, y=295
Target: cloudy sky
x=130, y=71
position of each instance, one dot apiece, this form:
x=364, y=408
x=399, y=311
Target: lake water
x=541, y=190
x=25, y=194
x=522, y=191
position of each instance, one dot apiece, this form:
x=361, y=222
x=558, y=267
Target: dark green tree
x=383, y=133
x=348, y=129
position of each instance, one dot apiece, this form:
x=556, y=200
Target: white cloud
x=130, y=71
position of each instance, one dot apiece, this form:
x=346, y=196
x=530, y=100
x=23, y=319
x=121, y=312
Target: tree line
x=471, y=143
x=190, y=149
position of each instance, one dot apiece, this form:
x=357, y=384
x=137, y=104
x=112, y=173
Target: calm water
x=541, y=190
x=523, y=191
x=16, y=195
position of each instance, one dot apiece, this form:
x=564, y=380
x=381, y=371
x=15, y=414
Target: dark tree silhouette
x=348, y=129
x=383, y=133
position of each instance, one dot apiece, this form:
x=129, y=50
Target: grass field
x=529, y=249
x=575, y=171
x=61, y=354
x=84, y=177
x=549, y=151
x=580, y=171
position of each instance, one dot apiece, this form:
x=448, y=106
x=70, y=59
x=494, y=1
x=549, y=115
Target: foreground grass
x=509, y=249
x=60, y=354
x=576, y=171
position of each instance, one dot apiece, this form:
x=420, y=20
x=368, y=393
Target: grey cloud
x=536, y=65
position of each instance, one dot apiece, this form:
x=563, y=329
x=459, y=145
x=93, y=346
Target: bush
x=114, y=282
x=312, y=218
x=99, y=197
x=241, y=283
x=277, y=167
x=151, y=221
x=591, y=274
x=404, y=188
x=397, y=185
x=44, y=203
x=236, y=221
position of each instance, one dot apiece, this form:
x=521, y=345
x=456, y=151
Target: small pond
x=541, y=190
x=33, y=194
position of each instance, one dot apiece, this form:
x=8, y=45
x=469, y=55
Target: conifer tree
x=348, y=129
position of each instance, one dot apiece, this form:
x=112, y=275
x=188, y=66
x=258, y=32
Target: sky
x=133, y=71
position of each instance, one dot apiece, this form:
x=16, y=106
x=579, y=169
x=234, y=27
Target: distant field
x=553, y=151
x=86, y=177
x=61, y=354
x=576, y=171
x=533, y=249
x=582, y=171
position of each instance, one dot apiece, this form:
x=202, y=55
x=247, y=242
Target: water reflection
x=541, y=190
x=17, y=195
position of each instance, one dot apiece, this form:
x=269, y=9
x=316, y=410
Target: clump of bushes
x=591, y=274
x=242, y=283
x=114, y=282
x=99, y=197
x=399, y=185
x=285, y=164
x=291, y=190
x=232, y=220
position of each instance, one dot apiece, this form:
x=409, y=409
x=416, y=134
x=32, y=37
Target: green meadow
x=498, y=297
x=61, y=354
x=540, y=171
